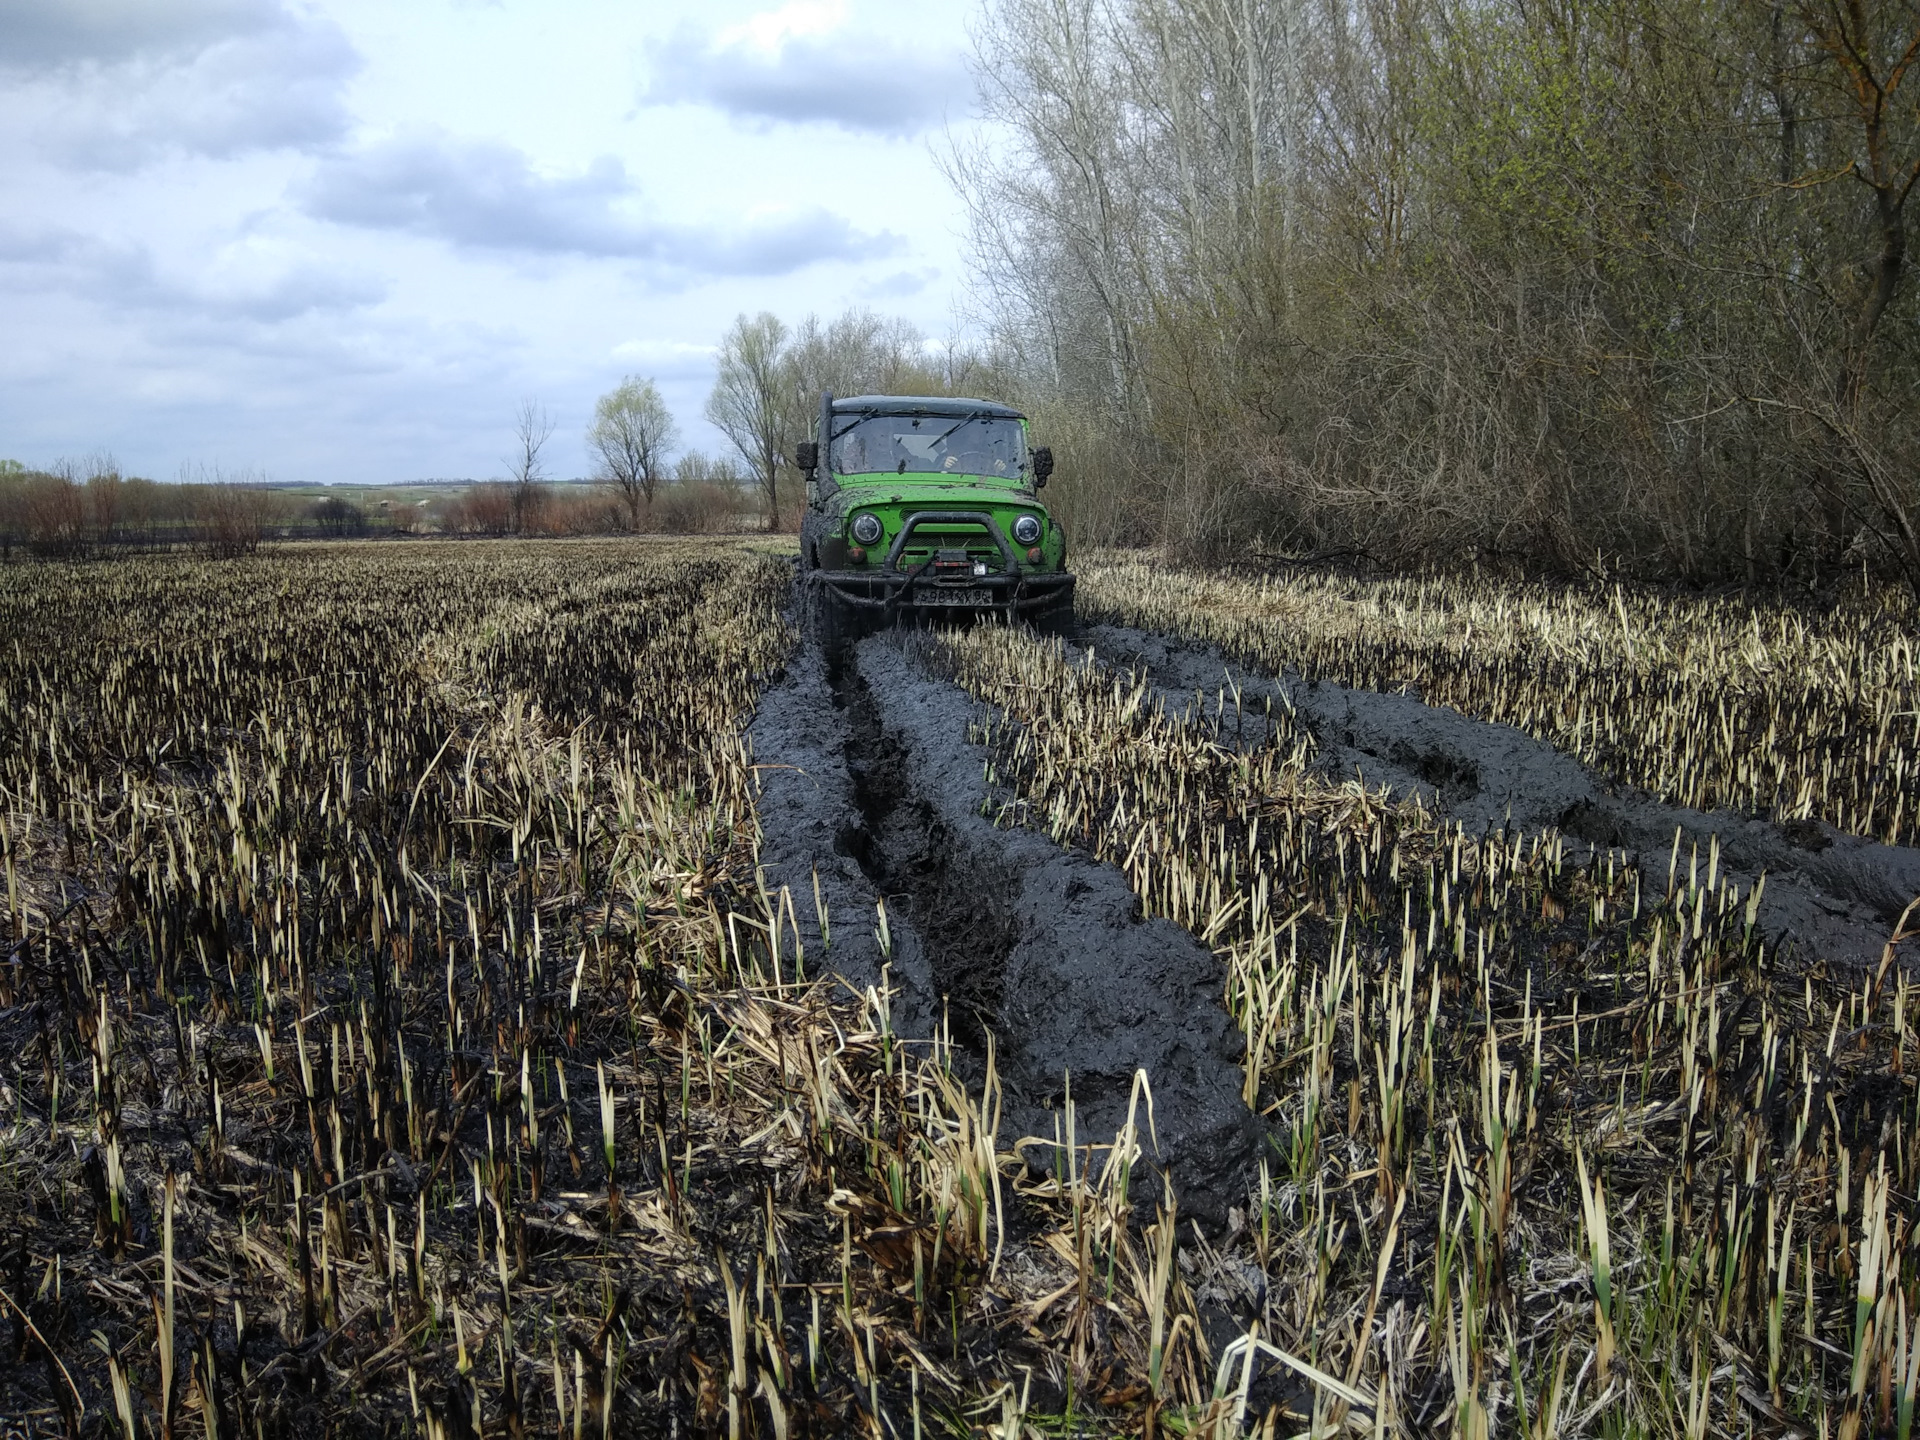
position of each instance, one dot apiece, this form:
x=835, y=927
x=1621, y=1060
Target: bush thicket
x=1618, y=284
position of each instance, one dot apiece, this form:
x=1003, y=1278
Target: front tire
x=1057, y=618
x=837, y=622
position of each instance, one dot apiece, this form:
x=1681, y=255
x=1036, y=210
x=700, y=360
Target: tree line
x=74, y=507
x=68, y=512
x=1584, y=284
x=766, y=393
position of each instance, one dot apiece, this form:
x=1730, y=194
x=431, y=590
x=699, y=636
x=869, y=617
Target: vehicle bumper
x=892, y=591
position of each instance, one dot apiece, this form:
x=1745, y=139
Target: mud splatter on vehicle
x=919, y=506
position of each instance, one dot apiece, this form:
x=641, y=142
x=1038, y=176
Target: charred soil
x=1826, y=893
x=1000, y=930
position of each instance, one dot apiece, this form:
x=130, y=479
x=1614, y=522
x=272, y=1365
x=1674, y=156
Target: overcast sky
x=340, y=240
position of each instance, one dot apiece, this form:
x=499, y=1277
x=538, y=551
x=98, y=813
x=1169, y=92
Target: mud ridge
x=1077, y=988
x=959, y=900
x=813, y=828
x=868, y=776
x=1832, y=895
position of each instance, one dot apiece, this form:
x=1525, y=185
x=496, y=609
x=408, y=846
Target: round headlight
x=1026, y=530
x=866, y=529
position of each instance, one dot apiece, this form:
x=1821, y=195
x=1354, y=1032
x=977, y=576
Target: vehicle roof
x=923, y=405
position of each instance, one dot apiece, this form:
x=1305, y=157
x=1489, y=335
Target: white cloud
x=118, y=85
x=678, y=359
x=807, y=63
x=487, y=195
x=770, y=30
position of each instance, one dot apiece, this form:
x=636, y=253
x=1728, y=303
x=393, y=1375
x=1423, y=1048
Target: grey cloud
x=485, y=195
x=297, y=291
x=901, y=284
x=118, y=84
x=361, y=397
x=38, y=245
x=37, y=34
x=124, y=276
x=857, y=82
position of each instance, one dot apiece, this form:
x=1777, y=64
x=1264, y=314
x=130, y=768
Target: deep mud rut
x=1828, y=894
x=871, y=790
x=869, y=779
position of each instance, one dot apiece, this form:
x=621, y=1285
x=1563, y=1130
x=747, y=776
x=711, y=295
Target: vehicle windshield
x=990, y=445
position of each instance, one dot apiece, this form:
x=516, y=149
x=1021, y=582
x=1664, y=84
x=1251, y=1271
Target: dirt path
x=871, y=780
x=1835, y=895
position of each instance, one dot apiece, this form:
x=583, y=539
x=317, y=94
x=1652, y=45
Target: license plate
x=930, y=595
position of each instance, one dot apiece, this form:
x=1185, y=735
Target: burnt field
x=540, y=988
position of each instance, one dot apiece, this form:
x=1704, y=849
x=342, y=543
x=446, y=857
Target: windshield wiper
x=963, y=420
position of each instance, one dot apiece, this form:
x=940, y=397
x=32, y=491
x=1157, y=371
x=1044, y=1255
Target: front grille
x=914, y=556
x=965, y=542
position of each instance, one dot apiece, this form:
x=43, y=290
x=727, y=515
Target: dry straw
x=351, y=884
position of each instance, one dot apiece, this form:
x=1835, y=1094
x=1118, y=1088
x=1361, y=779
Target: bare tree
x=753, y=403
x=532, y=428
x=697, y=468
x=859, y=353
x=104, y=490
x=232, y=509
x=55, y=510
x=771, y=377
x=632, y=432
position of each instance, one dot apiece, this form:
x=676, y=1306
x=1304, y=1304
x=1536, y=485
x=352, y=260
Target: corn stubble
x=401, y=1038
x=1552, y=1153
x=1793, y=713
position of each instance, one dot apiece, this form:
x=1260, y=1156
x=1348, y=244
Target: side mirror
x=1042, y=465
x=806, y=455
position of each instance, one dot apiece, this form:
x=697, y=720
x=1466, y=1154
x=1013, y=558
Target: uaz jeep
x=919, y=506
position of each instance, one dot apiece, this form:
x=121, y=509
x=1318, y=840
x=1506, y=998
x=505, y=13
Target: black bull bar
x=892, y=589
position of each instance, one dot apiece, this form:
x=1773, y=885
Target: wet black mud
x=868, y=777
x=815, y=834
x=1088, y=993
x=1829, y=895
x=871, y=790
x=959, y=899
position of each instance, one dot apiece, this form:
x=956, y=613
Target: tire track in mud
x=868, y=776
x=813, y=833
x=958, y=900
x=868, y=781
x=1836, y=895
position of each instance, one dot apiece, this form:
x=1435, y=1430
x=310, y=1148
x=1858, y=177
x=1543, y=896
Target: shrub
x=339, y=517
x=233, y=517
x=483, y=509
x=696, y=508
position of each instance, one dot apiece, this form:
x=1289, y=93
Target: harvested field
x=1798, y=714
x=537, y=988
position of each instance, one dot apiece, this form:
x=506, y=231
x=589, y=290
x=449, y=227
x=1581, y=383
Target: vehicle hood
x=959, y=493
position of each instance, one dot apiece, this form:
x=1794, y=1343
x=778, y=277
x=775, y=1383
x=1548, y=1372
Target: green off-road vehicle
x=919, y=506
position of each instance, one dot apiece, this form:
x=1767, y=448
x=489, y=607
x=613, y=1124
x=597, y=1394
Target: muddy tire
x=836, y=622
x=1057, y=619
